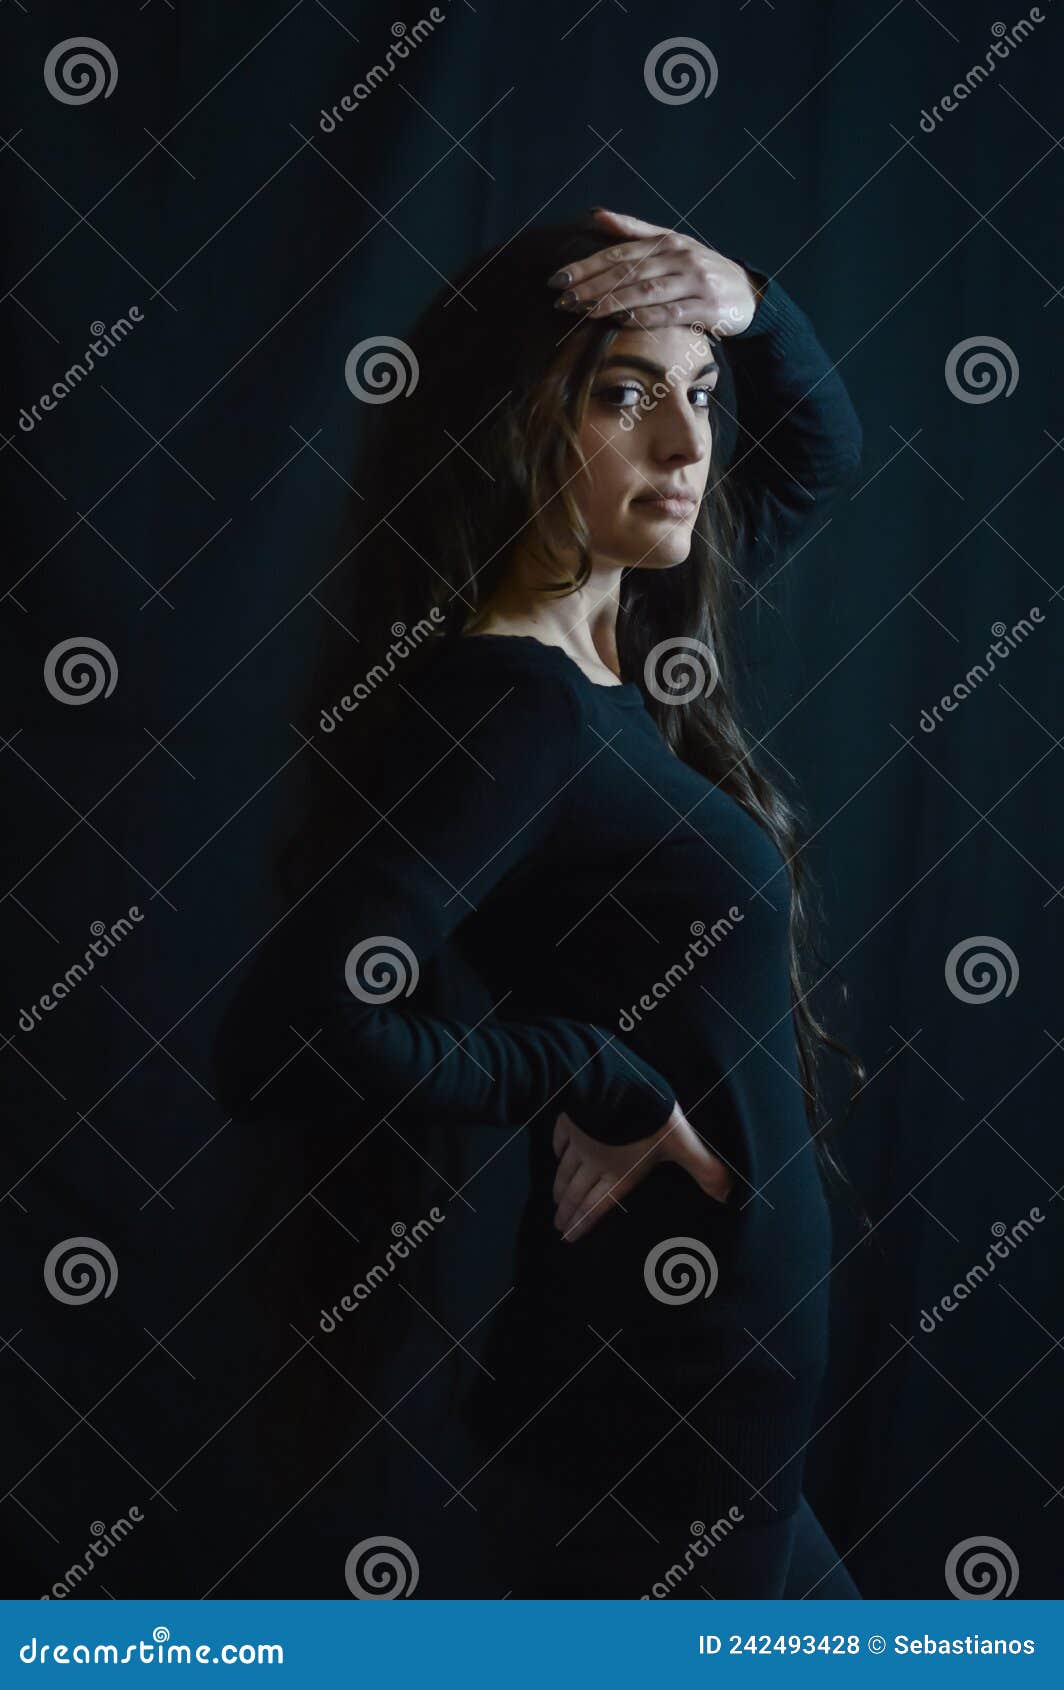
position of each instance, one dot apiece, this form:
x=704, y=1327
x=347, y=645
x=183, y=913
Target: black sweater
x=629, y=923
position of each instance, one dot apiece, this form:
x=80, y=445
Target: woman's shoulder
x=495, y=668
x=482, y=728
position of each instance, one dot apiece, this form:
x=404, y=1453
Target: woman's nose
x=681, y=435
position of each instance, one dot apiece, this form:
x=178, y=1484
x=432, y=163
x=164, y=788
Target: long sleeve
x=798, y=438
x=477, y=783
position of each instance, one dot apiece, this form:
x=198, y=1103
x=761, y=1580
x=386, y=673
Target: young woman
x=540, y=882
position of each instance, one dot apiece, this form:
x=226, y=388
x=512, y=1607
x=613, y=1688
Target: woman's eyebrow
x=630, y=361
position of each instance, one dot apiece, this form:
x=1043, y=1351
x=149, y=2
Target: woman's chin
x=666, y=554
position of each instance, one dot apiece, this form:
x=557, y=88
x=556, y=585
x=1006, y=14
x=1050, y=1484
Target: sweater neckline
x=625, y=692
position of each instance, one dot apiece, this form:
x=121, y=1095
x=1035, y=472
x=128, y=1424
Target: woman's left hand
x=655, y=277
x=593, y=1178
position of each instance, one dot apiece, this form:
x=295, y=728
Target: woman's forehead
x=663, y=347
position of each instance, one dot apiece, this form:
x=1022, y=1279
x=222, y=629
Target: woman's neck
x=583, y=623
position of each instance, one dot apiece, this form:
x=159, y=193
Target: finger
x=599, y=1200
x=566, y=1169
x=722, y=1181
x=562, y=1133
x=630, y=225
x=605, y=277
x=650, y=289
x=710, y=1171
x=624, y=254
x=576, y=1190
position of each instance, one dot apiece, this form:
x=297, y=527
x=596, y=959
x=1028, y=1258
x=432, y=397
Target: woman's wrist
x=758, y=284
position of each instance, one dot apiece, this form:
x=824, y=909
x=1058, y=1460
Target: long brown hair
x=474, y=452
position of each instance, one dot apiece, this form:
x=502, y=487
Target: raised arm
x=478, y=782
x=798, y=438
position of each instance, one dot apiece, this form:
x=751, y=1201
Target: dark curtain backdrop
x=180, y=507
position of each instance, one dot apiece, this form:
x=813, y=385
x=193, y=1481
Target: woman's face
x=646, y=434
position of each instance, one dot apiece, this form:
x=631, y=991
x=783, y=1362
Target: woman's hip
x=554, y=1539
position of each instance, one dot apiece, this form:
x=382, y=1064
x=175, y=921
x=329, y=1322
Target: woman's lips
x=678, y=507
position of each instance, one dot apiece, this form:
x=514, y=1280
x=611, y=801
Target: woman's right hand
x=592, y=1177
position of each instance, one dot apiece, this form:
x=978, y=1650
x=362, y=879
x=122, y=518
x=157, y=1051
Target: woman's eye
x=616, y=395
x=624, y=395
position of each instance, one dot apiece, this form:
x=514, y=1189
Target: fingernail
x=566, y=302
x=560, y=279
